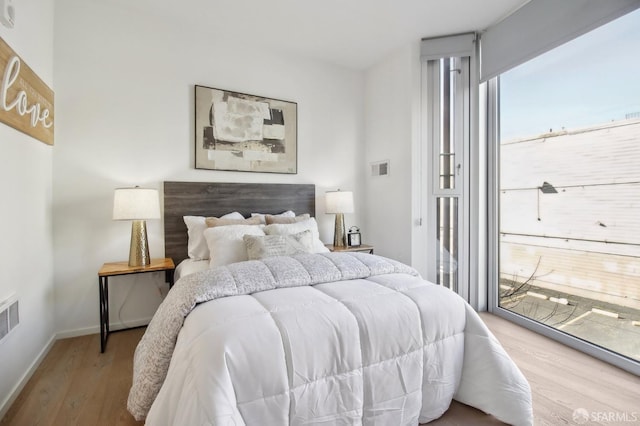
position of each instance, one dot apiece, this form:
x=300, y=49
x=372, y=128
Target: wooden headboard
x=216, y=199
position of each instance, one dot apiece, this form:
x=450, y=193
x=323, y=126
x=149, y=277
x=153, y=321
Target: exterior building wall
x=583, y=240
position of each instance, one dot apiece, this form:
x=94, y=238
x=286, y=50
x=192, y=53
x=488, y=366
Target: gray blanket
x=153, y=354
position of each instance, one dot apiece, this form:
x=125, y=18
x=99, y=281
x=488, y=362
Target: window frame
x=473, y=280
x=492, y=116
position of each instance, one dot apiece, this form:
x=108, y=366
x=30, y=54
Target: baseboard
x=13, y=395
x=77, y=332
x=96, y=329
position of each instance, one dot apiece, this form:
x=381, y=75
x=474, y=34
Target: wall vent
x=380, y=168
x=9, y=315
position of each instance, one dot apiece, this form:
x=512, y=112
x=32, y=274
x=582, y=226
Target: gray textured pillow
x=212, y=222
x=283, y=219
x=259, y=247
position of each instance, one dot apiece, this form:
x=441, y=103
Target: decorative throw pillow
x=212, y=222
x=293, y=228
x=197, y=246
x=262, y=216
x=226, y=244
x=259, y=247
x=284, y=219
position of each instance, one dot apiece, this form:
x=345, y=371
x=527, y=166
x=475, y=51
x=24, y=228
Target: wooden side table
x=361, y=248
x=122, y=268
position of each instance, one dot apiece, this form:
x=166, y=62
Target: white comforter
x=379, y=347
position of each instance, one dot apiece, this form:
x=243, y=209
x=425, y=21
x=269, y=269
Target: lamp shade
x=136, y=204
x=339, y=201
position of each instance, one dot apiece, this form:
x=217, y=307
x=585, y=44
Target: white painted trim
x=96, y=329
x=476, y=163
x=78, y=332
x=420, y=231
x=493, y=208
x=450, y=45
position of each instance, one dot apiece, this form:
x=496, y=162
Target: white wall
x=25, y=226
x=392, y=94
x=124, y=107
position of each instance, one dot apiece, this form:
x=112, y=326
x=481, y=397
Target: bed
x=308, y=337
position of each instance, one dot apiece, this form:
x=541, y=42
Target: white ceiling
x=351, y=33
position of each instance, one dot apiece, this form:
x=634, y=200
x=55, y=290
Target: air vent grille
x=380, y=168
x=9, y=316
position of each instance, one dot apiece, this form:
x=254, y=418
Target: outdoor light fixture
x=137, y=204
x=546, y=188
x=339, y=202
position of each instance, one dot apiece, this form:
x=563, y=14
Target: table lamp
x=339, y=202
x=137, y=204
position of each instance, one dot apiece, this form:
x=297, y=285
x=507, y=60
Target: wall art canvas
x=241, y=132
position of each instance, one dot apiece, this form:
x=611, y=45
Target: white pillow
x=226, y=244
x=260, y=247
x=294, y=228
x=197, y=246
x=288, y=213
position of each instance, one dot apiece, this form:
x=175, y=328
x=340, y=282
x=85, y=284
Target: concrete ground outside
x=611, y=326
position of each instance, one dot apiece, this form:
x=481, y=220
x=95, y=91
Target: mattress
x=189, y=266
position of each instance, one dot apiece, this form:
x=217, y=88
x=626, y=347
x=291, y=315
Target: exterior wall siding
x=584, y=239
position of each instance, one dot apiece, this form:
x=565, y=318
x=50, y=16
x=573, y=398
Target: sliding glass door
x=568, y=190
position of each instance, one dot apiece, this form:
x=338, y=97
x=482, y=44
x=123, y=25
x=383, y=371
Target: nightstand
x=122, y=268
x=361, y=248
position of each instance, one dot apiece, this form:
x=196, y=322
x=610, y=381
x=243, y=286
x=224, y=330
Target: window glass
x=570, y=188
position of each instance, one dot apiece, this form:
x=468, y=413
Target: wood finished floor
x=76, y=385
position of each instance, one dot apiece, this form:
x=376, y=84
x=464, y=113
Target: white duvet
x=366, y=343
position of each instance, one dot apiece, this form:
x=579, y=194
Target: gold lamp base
x=139, y=249
x=339, y=236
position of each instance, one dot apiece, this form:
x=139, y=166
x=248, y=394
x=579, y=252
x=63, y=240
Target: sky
x=591, y=80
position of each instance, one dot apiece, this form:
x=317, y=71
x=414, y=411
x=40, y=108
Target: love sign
x=26, y=102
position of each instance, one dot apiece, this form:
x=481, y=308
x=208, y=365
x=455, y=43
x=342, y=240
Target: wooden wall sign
x=26, y=102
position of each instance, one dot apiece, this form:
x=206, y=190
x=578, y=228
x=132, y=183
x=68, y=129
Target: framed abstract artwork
x=240, y=132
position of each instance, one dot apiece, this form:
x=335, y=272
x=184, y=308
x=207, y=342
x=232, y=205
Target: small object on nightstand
x=354, y=236
x=362, y=248
x=122, y=268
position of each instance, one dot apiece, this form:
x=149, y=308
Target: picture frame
x=240, y=132
x=354, y=237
